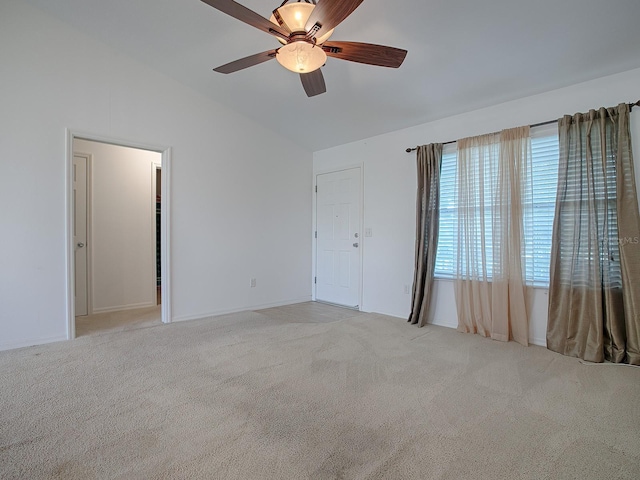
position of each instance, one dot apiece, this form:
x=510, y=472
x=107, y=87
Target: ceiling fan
x=303, y=28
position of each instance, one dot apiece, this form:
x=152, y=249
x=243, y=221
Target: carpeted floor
x=312, y=391
x=120, y=321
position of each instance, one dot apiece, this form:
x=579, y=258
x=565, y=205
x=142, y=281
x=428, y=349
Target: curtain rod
x=631, y=105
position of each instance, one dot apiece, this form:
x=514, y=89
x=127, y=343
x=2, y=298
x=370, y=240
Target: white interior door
x=338, y=237
x=80, y=233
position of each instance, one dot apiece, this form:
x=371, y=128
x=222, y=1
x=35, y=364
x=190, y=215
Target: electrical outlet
x=406, y=290
x=252, y=283
x=368, y=232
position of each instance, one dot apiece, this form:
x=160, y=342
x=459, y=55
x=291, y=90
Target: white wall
x=240, y=204
x=390, y=184
x=122, y=242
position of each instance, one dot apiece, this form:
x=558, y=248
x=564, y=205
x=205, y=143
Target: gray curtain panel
x=594, y=299
x=429, y=160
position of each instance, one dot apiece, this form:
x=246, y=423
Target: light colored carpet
x=312, y=391
x=120, y=321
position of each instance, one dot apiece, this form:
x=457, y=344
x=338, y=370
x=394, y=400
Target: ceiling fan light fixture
x=301, y=57
x=295, y=16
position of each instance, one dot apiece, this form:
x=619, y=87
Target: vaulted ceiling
x=463, y=55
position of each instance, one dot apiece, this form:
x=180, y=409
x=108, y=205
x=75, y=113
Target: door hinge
x=316, y=234
x=315, y=279
x=316, y=188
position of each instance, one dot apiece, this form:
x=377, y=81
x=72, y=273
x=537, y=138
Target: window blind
x=541, y=192
x=448, y=223
x=540, y=197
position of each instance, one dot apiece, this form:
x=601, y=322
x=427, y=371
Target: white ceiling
x=463, y=55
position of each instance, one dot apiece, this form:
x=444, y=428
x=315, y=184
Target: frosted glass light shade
x=295, y=15
x=301, y=57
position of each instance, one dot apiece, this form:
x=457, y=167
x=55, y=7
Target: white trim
x=441, y=323
x=314, y=218
x=116, y=141
x=165, y=229
x=314, y=240
x=70, y=309
x=362, y=236
x=356, y=307
x=165, y=250
x=338, y=169
x=217, y=313
x=31, y=343
x=540, y=342
x=133, y=306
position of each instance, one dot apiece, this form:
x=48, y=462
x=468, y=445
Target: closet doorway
x=118, y=232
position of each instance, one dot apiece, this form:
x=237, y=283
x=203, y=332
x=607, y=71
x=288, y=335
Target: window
x=598, y=189
x=540, y=187
x=448, y=223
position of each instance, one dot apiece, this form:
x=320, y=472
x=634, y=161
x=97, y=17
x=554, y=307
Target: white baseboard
x=31, y=343
x=441, y=323
x=123, y=307
x=216, y=313
x=386, y=314
x=540, y=342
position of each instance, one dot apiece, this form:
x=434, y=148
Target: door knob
x=80, y=244
x=355, y=244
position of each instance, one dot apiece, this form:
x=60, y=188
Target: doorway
x=124, y=273
x=338, y=242
x=158, y=214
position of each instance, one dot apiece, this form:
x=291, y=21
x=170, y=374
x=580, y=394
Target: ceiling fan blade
x=242, y=13
x=328, y=14
x=246, y=62
x=368, y=53
x=313, y=83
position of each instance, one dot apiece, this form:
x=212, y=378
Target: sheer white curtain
x=490, y=282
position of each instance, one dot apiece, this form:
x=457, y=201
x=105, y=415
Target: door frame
x=314, y=241
x=165, y=221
